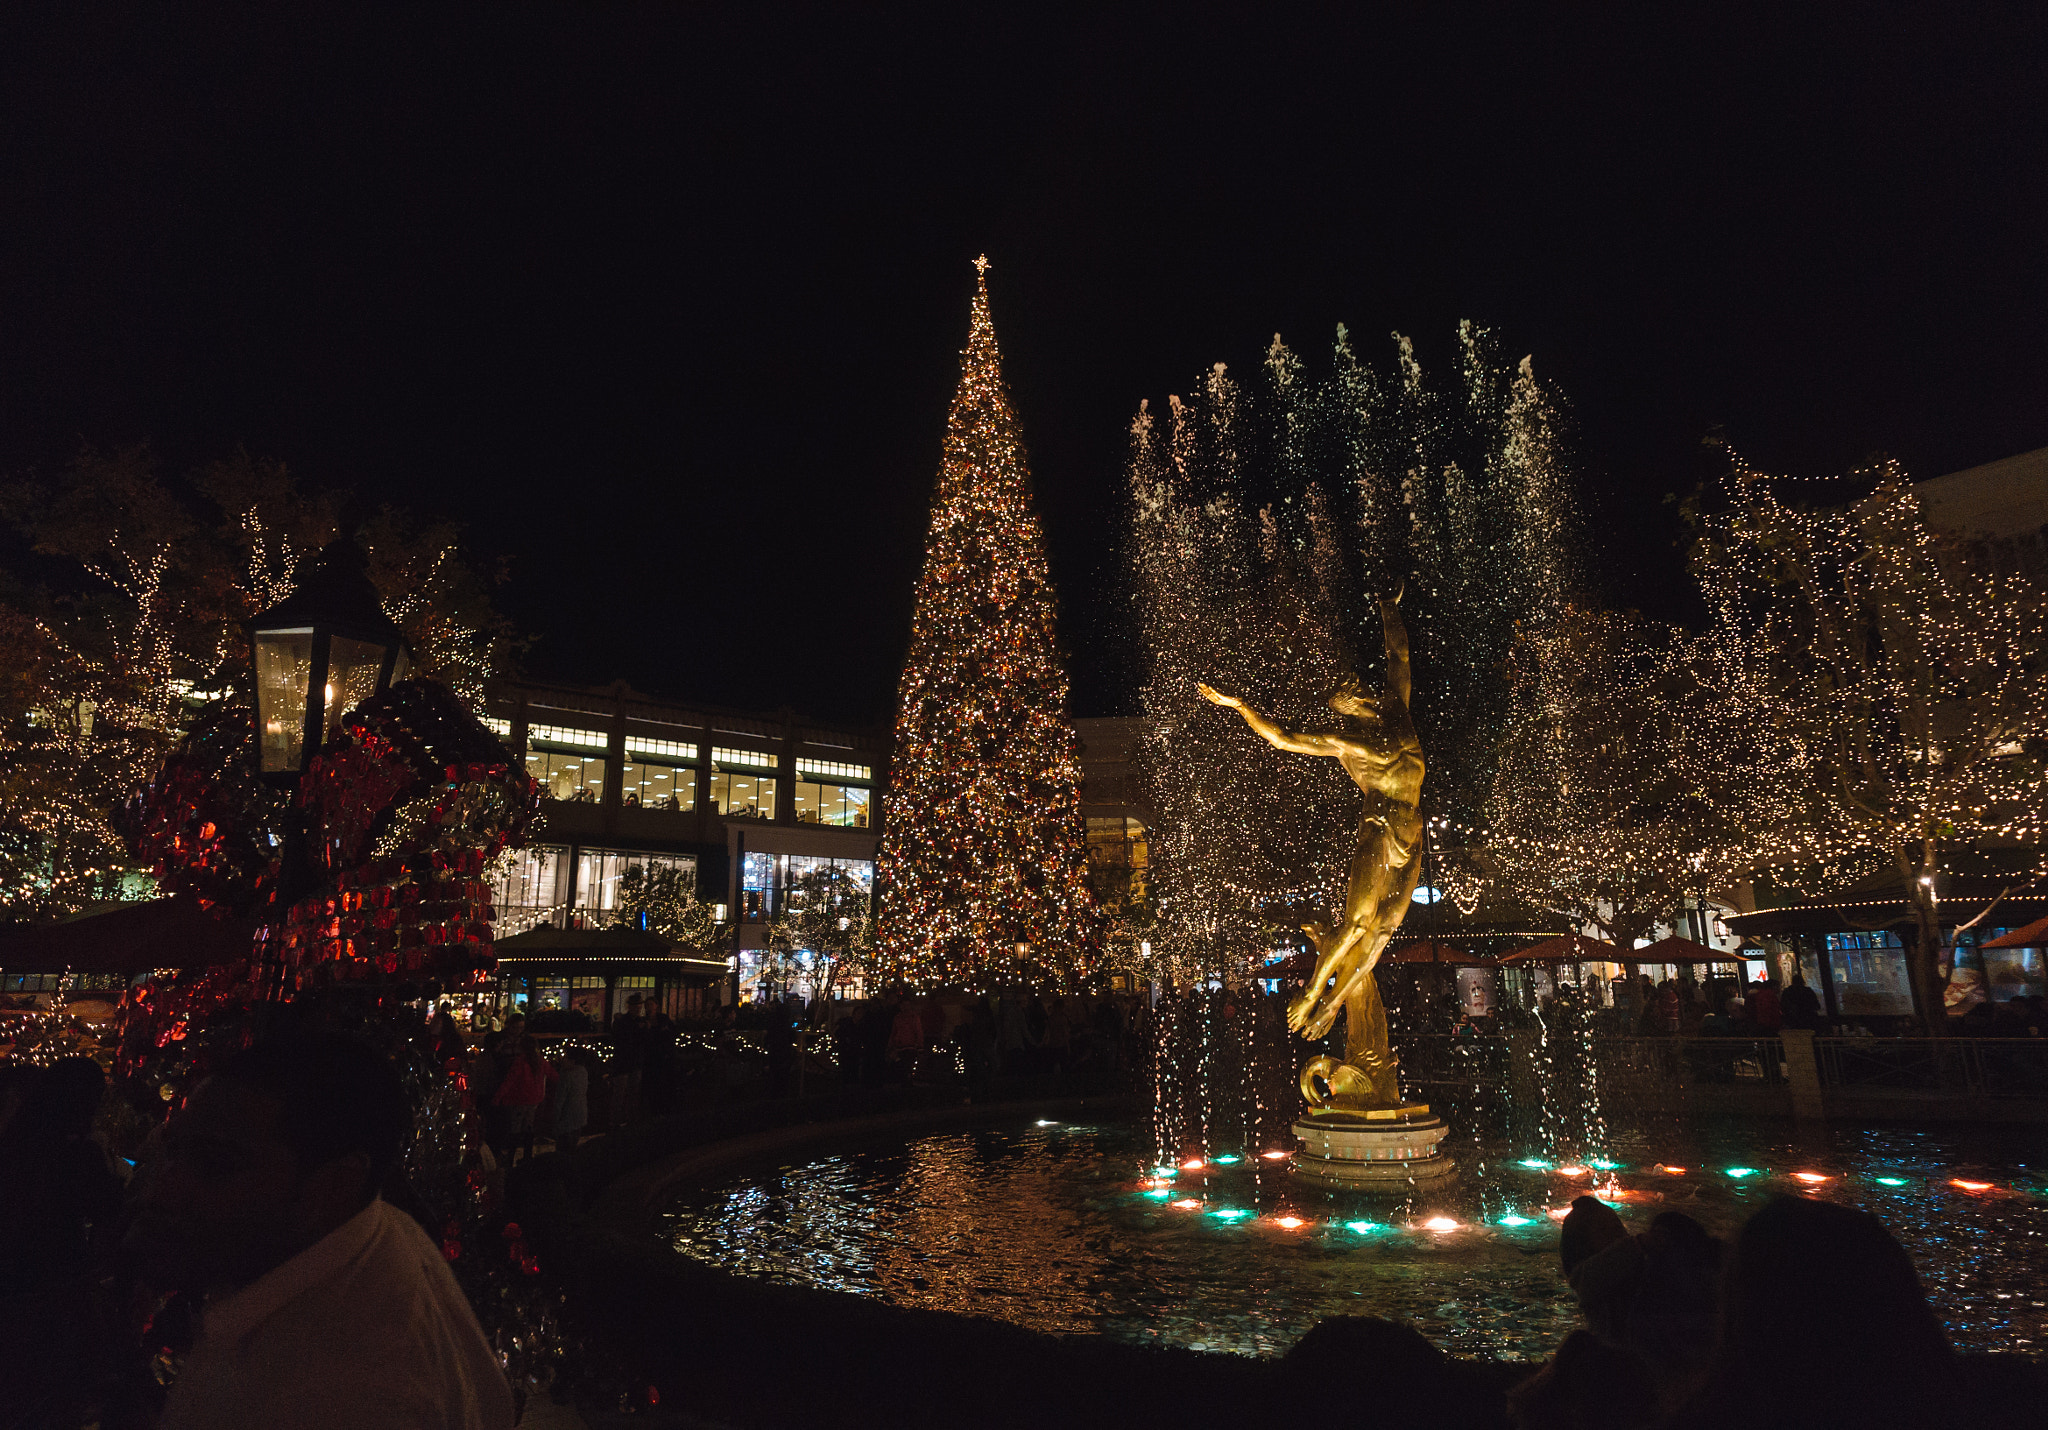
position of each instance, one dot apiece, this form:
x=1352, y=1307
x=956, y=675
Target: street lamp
x=320, y=652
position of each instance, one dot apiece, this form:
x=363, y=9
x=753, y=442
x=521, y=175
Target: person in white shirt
x=323, y=1305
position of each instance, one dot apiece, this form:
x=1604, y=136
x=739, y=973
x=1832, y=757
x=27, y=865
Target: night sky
x=664, y=301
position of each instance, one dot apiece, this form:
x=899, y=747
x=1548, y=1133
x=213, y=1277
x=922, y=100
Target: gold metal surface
x=1379, y=749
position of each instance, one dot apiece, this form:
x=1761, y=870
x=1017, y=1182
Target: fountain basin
x=1073, y=1228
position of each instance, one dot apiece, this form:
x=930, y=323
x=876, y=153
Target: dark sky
x=663, y=301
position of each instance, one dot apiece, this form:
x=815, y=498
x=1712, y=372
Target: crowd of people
x=1813, y=1316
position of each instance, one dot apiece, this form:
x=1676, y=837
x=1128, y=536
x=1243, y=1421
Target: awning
x=127, y=939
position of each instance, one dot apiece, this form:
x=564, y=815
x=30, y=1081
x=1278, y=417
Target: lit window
x=849, y=806
x=745, y=759
x=834, y=769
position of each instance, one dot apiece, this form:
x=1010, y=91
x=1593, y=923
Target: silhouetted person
x=1590, y=1227
x=1799, y=1005
x=1588, y=1384
x=323, y=1305
x=1823, y=1323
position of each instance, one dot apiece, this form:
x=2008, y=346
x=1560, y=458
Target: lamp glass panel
x=284, y=670
x=352, y=671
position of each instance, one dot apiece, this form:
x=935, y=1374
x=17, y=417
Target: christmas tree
x=984, y=856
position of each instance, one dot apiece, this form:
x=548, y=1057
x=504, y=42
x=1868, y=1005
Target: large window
x=527, y=884
x=849, y=806
x=1119, y=863
x=659, y=774
x=765, y=879
x=741, y=785
x=1870, y=974
x=598, y=872
x=568, y=764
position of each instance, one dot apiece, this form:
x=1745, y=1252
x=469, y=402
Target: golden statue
x=1379, y=749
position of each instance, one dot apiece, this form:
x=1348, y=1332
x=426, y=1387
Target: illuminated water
x=1053, y=1227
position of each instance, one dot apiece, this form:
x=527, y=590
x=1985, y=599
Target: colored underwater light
x=1290, y=1222
x=1362, y=1227
x=1164, y=1171
x=1571, y=1171
x=1534, y=1163
x=1738, y=1173
x=1813, y=1179
x=1159, y=1195
x=1513, y=1220
x=1440, y=1223
x=1230, y=1213
x=1226, y=1159
x=1193, y=1164
x=1273, y=1156
x=1605, y=1166
x=1187, y=1204
x=1559, y=1213
x=1891, y=1181
x=1671, y=1171
x=1969, y=1186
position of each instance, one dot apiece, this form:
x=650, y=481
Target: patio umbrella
x=1428, y=951
x=2034, y=935
x=1676, y=950
x=1567, y=948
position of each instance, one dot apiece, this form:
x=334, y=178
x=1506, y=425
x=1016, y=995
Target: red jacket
x=524, y=1085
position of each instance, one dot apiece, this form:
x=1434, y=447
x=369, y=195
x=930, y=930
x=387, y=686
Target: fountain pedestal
x=1386, y=1149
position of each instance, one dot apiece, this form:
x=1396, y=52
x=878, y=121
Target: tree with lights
x=103, y=671
x=1595, y=812
x=663, y=899
x=1267, y=520
x=823, y=935
x=983, y=863
x=1881, y=697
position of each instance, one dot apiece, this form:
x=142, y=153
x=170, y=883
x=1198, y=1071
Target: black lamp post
x=319, y=653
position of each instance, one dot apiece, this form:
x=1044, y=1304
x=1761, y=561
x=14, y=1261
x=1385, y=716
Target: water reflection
x=1077, y=1229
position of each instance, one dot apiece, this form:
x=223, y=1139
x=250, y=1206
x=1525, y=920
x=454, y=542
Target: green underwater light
x=1535, y=1164
x=1226, y=1159
x=1891, y=1181
x=1230, y=1213
x=1740, y=1172
x=1364, y=1226
x=1512, y=1220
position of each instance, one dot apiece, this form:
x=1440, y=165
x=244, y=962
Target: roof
x=2005, y=498
x=1878, y=903
x=619, y=950
x=128, y=938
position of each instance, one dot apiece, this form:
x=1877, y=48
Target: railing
x=1969, y=1067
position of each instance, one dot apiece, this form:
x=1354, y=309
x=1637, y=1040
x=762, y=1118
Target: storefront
x=600, y=973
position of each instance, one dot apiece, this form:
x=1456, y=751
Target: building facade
x=740, y=804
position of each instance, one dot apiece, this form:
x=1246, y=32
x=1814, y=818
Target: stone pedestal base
x=1385, y=1151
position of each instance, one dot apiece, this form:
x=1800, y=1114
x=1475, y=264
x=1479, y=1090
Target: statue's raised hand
x=1217, y=697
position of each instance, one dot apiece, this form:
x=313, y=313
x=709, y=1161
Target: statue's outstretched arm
x=1272, y=734
x=1398, y=680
